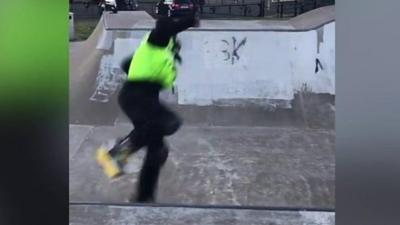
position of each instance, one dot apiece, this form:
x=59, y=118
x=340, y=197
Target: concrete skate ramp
x=314, y=18
x=85, y=61
x=232, y=163
x=229, y=68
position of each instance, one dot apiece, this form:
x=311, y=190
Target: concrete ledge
x=313, y=18
x=116, y=215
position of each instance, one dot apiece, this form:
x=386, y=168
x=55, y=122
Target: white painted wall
x=272, y=65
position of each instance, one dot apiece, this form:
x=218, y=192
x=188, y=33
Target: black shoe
x=136, y=199
x=122, y=150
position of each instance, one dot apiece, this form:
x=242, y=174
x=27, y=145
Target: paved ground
x=113, y=215
x=262, y=166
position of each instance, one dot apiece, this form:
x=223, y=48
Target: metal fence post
x=277, y=8
x=262, y=8
x=71, y=26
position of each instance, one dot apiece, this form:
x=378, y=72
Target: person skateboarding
x=151, y=69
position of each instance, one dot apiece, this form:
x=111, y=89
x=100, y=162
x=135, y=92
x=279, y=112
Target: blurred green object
x=34, y=55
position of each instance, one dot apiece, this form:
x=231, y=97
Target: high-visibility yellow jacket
x=153, y=63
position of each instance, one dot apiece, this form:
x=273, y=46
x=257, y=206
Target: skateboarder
x=151, y=69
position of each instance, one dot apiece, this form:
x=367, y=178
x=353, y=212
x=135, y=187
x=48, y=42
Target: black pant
x=152, y=121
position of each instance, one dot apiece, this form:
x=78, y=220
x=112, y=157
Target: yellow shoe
x=110, y=167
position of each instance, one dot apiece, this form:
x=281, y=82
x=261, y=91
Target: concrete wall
x=232, y=67
x=268, y=65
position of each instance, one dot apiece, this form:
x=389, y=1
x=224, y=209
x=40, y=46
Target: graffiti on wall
x=108, y=80
x=318, y=65
x=232, y=49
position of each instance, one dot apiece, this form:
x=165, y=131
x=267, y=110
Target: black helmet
x=163, y=23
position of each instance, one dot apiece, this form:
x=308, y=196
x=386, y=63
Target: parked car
x=175, y=7
x=108, y=5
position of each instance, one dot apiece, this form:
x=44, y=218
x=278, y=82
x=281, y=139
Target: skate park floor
x=261, y=166
x=221, y=156
x=211, y=166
